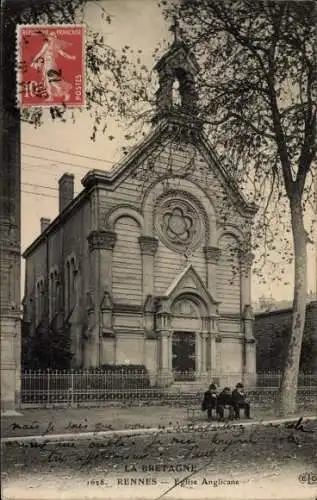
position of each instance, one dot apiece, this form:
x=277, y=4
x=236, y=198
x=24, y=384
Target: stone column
x=107, y=243
x=165, y=372
x=245, y=260
x=212, y=255
x=213, y=357
x=199, y=354
x=249, y=376
x=101, y=244
x=249, y=346
x=164, y=335
x=218, y=354
x=204, y=355
x=148, y=247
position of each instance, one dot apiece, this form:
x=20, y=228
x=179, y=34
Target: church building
x=150, y=264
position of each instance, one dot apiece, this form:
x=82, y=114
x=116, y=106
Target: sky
x=55, y=147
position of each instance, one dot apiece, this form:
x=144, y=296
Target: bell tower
x=177, y=69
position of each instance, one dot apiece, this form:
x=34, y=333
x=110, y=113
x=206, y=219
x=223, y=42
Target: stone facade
x=271, y=331
x=151, y=258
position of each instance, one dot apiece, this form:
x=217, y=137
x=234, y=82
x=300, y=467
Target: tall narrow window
x=42, y=307
x=40, y=301
x=73, y=284
x=37, y=303
x=70, y=284
x=53, y=292
x=51, y=295
x=176, y=95
x=67, y=286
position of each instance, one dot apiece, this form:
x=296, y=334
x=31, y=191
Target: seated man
x=224, y=400
x=210, y=400
x=239, y=401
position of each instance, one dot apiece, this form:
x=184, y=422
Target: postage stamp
x=51, y=65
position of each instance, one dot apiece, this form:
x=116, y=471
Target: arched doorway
x=184, y=355
x=186, y=325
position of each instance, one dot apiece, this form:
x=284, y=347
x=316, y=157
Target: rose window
x=177, y=225
x=178, y=222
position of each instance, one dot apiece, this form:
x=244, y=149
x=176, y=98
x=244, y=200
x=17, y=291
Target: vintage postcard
x=158, y=257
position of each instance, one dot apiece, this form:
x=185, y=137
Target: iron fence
x=52, y=387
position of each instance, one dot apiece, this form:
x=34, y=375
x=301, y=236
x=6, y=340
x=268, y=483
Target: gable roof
x=119, y=173
x=189, y=279
x=111, y=179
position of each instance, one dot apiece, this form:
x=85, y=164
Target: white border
x=19, y=59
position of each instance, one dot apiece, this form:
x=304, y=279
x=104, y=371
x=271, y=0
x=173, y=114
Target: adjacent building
x=150, y=264
x=272, y=330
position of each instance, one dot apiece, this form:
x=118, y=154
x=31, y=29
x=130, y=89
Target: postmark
x=51, y=65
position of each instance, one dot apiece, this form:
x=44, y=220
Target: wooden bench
x=228, y=413
x=194, y=412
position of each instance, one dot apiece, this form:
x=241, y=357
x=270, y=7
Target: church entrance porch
x=184, y=355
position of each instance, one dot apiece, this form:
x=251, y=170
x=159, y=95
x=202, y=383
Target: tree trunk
x=288, y=388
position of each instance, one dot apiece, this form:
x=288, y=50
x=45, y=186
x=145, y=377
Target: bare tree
x=258, y=91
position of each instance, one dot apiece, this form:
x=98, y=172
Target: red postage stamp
x=51, y=65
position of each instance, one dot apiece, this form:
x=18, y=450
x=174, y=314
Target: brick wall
x=271, y=330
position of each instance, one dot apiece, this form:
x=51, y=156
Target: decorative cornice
x=148, y=245
x=212, y=254
x=98, y=240
x=218, y=338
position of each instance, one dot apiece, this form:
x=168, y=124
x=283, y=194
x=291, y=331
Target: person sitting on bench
x=224, y=400
x=239, y=401
x=210, y=400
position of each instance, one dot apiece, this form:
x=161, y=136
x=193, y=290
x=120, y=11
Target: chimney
x=44, y=223
x=66, y=190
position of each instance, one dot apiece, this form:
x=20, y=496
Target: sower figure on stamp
x=224, y=401
x=239, y=401
x=210, y=400
x=45, y=61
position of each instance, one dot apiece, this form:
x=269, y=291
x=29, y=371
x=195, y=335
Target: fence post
x=48, y=386
x=72, y=387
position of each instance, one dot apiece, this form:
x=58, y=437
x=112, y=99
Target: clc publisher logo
x=308, y=478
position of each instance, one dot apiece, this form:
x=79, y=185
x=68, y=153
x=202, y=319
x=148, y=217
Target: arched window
x=67, y=286
x=37, y=303
x=70, y=284
x=53, y=293
x=176, y=95
x=40, y=300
